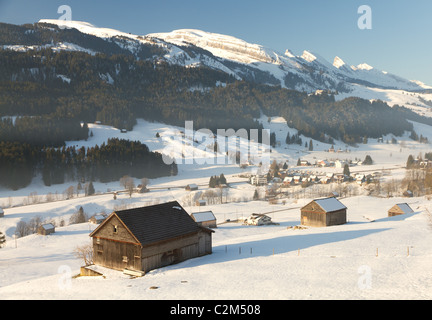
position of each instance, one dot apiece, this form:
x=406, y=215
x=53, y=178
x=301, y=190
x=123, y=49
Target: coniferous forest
x=47, y=96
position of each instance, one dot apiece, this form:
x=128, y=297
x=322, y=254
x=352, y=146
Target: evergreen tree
x=346, y=170
x=311, y=145
x=273, y=139
x=410, y=162
x=222, y=179
x=288, y=139
x=91, y=189
x=212, y=182
x=368, y=160
x=255, y=195
x=2, y=239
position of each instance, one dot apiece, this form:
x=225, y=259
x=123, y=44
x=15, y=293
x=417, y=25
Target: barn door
x=137, y=262
x=201, y=245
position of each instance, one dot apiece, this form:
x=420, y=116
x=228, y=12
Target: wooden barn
x=323, y=213
x=205, y=219
x=46, y=229
x=398, y=209
x=148, y=238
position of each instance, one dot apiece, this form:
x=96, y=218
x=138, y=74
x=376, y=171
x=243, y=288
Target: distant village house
x=257, y=219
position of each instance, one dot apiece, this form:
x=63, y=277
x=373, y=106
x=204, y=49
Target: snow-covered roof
x=203, y=216
x=48, y=226
x=99, y=217
x=330, y=204
x=405, y=207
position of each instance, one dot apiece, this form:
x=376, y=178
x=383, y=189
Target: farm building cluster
x=298, y=176
x=142, y=239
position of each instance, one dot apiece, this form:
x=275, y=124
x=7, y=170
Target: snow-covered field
x=370, y=257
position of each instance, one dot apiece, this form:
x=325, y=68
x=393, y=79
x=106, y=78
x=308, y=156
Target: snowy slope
x=371, y=257
x=269, y=262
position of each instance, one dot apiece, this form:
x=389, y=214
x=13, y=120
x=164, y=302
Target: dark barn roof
x=158, y=222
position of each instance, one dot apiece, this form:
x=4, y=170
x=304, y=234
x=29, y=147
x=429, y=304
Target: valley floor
x=370, y=257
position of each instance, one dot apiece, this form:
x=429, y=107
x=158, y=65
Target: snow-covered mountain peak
x=289, y=53
x=308, y=56
x=338, y=62
x=364, y=66
x=87, y=28
x=223, y=46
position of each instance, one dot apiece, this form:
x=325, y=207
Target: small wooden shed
x=191, y=187
x=97, y=219
x=398, y=209
x=148, y=238
x=200, y=203
x=408, y=194
x=46, y=229
x=205, y=219
x=323, y=213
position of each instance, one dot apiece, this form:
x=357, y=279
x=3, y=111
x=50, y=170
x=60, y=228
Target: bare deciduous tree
x=84, y=253
x=128, y=183
x=22, y=229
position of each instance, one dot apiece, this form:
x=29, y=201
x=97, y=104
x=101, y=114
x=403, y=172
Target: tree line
x=20, y=162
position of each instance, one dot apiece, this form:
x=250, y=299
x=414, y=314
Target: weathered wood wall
x=322, y=219
x=115, y=247
x=116, y=255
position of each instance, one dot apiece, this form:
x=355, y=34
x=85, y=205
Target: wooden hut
x=205, y=219
x=46, y=229
x=323, y=212
x=147, y=238
x=408, y=194
x=398, y=209
x=200, y=203
x=97, y=219
x=191, y=187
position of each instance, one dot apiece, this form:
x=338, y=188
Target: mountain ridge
x=307, y=72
